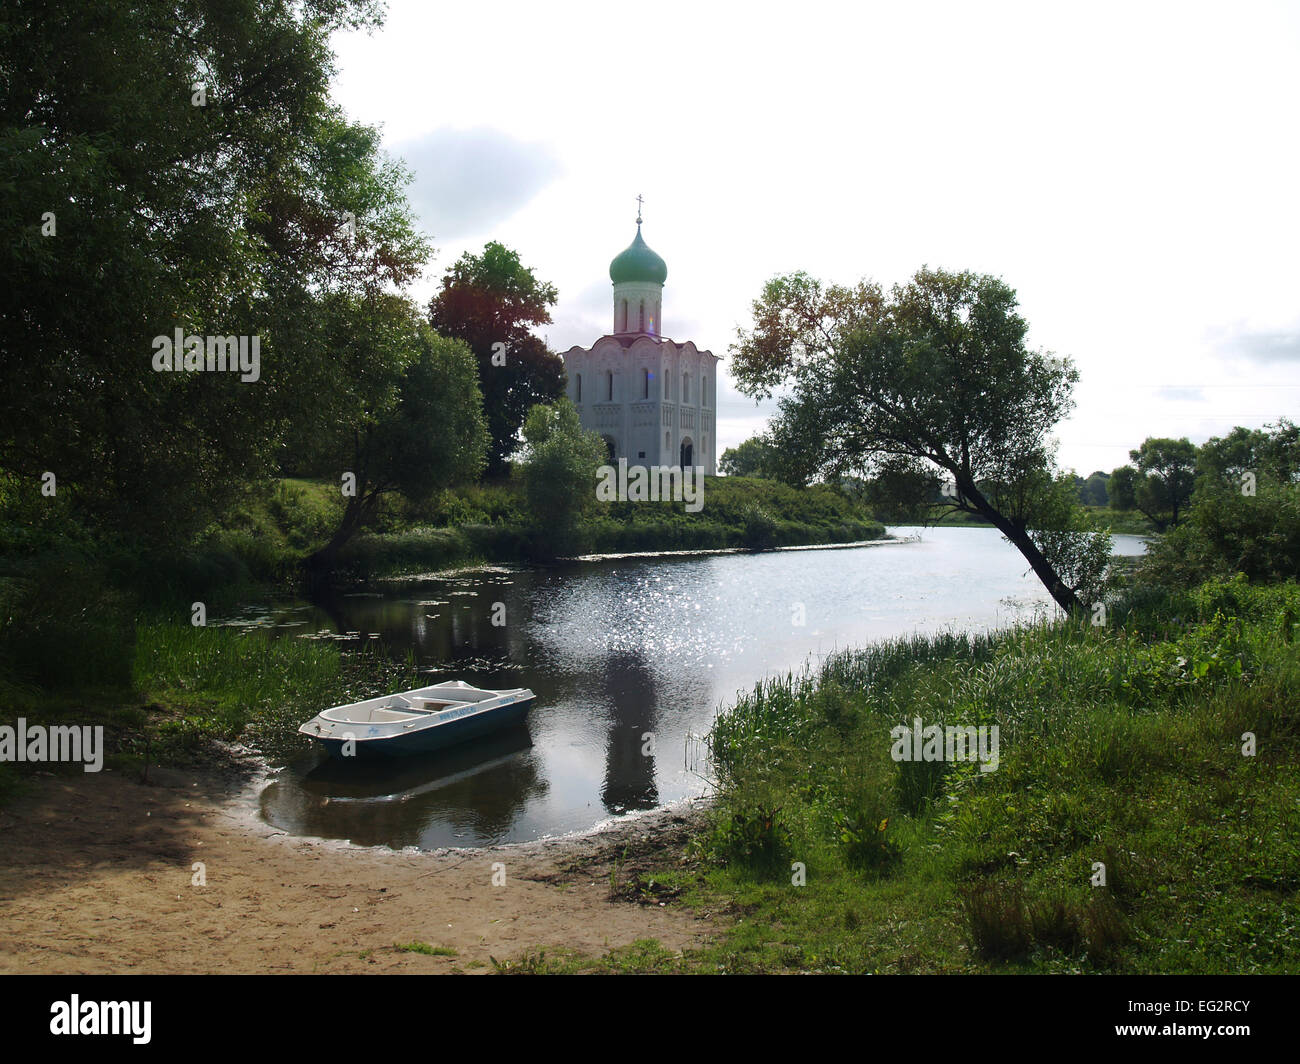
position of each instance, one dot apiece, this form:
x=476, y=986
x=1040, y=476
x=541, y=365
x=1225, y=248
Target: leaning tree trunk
x=1063, y=595
x=325, y=560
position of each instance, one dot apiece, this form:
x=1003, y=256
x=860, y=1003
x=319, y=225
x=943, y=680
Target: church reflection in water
x=631, y=703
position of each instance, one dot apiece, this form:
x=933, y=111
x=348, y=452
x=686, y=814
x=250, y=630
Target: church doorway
x=688, y=453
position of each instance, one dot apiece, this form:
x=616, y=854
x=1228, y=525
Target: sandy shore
x=96, y=876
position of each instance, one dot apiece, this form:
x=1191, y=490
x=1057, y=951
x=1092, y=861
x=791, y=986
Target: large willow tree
x=932, y=380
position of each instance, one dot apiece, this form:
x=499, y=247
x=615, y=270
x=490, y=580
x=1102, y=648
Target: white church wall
x=663, y=392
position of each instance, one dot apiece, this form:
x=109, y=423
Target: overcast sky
x=1132, y=170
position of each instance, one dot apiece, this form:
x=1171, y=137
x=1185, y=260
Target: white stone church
x=653, y=400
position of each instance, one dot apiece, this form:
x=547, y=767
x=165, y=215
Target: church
x=651, y=399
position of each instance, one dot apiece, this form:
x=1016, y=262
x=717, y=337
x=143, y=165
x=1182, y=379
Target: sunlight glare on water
x=615, y=649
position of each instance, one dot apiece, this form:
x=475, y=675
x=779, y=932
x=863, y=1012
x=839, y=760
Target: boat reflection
x=462, y=796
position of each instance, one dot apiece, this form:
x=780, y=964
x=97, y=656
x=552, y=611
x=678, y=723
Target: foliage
x=1121, y=488
x=225, y=219
x=62, y=611
x=415, y=427
x=756, y=457
x=1227, y=532
x=755, y=836
x=492, y=302
x=1077, y=552
x=559, y=474
x=1164, y=479
x=1092, y=492
x=936, y=375
x=1272, y=453
x=900, y=491
x=760, y=529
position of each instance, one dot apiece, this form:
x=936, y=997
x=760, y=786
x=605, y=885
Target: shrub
x=754, y=836
x=759, y=531
x=865, y=841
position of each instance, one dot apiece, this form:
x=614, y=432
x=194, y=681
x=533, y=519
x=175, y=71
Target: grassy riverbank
x=273, y=532
x=188, y=686
x=1128, y=522
x=491, y=523
x=1121, y=746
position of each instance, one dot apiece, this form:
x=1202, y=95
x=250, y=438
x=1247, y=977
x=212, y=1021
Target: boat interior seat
x=437, y=705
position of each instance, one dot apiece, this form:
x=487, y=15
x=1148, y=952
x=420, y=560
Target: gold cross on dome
x=638, y=210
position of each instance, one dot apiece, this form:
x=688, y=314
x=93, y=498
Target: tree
x=934, y=376
x=755, y=457
x=1260, y=452
x=1121, y=487
x=1244, y=516
x=1166, y=475
x=1227, y=532
x=413, y=422
x=899, y=492
x=559, y=473
x=492, y=302
x=1092, y=492
x=176, y=166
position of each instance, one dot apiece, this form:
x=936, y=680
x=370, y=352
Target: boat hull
x=429, y=740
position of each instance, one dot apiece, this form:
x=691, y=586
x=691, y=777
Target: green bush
x=760, y=530
x=755, y=837
x=1226, y=533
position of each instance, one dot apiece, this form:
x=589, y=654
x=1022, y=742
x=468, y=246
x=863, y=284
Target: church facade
x=651, y=399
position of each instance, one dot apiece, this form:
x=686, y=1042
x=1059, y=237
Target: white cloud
x=467, y=181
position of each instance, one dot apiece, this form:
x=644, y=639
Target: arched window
x=645, y=384
x=609, y=385
x=668, y=379
x=622, y=317
x=640, y=324
x=579, y=387
x=686, y=387
x=668, y=441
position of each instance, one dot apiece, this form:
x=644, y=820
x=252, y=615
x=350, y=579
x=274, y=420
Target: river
x=628, y=657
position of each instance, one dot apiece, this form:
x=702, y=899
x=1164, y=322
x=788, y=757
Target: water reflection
x=614, y=650
x=628, y=693
x=471, y=793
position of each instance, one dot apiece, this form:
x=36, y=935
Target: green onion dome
x=638, y=263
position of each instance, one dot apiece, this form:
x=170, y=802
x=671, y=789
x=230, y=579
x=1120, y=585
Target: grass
x=425, y=948
x=644, y=956
x=224, y=684
x=1127, y=829
x=191, y=685
x=1121, y=747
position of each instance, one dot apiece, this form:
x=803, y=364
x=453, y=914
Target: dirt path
x=96, y=877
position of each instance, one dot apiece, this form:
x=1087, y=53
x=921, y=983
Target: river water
x=629, y=658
